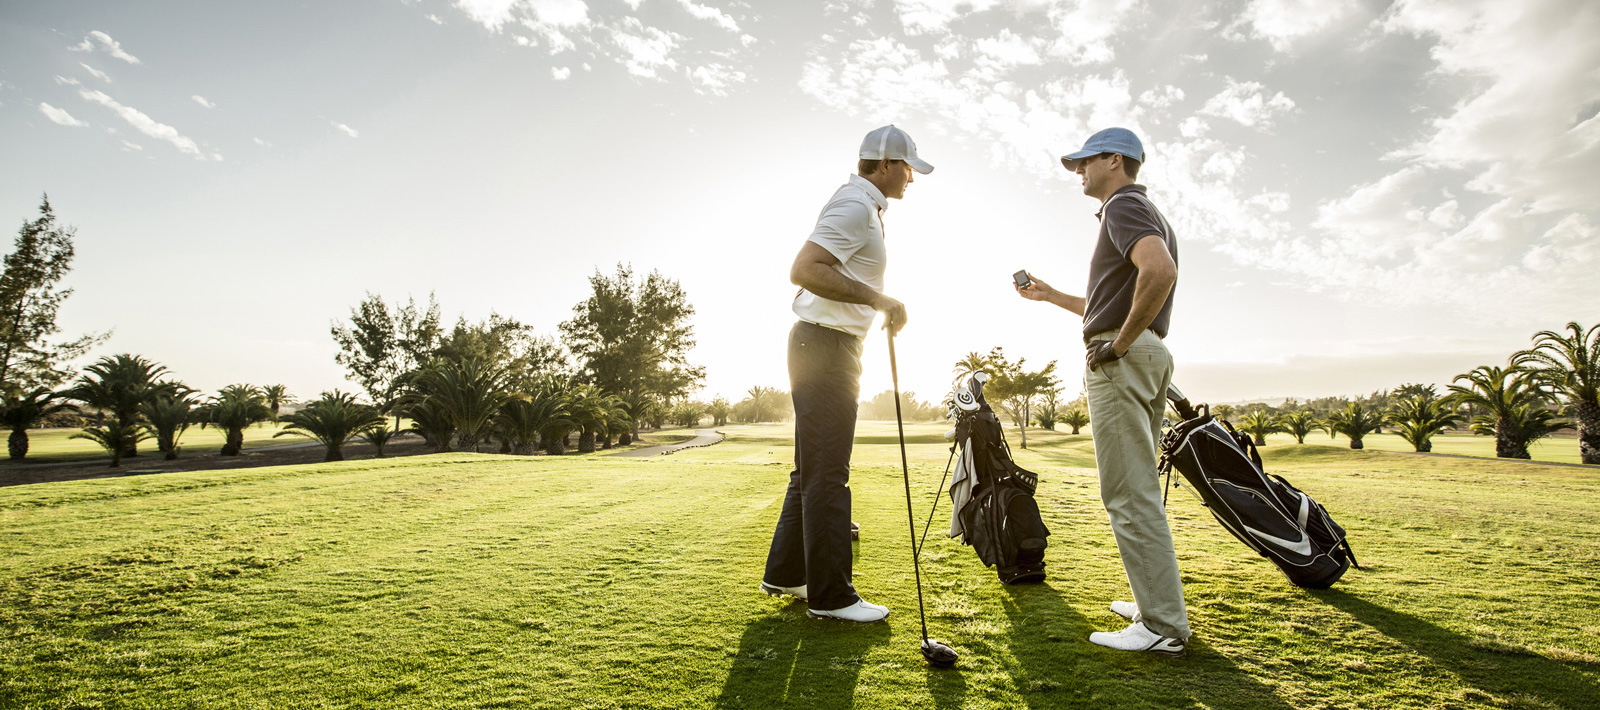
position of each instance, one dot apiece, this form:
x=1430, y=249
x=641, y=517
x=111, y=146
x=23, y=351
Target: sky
x=1363, y=193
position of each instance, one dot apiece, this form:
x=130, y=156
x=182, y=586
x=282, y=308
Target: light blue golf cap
x=1110, y=140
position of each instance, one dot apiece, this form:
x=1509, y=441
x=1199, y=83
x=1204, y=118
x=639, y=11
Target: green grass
x=56, y=445
x=463, y=580
x=1562, y=449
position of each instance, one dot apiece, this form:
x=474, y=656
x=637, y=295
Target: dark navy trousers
x=811, y=544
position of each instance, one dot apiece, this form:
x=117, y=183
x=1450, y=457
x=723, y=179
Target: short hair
x=868, y=166
x=1130, y=167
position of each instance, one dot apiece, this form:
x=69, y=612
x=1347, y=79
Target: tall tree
x=1013, y=387
x=380, y=344
x=29, y=298
x=507, y=344
x=1570, y=364
x=633, y=336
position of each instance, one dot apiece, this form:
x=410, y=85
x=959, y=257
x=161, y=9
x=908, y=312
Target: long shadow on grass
x=786, y=660
x=1499, y=670
x=1056, y=665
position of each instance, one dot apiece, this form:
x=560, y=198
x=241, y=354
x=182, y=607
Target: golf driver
x=937, y=654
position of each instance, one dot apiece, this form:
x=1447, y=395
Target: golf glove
x=1100, y=352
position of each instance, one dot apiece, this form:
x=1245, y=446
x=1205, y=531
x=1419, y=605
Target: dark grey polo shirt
x=1124, y=218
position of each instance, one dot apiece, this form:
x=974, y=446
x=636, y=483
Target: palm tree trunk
x=335, y=452
x=1261, y=440
x=586, y=442
x=1355, y=443
x=234, y=443
x=1589, y=432
x=625, y=438
x=523, y=448
x=1508, y=442
x=18, y=443
x=467, y=441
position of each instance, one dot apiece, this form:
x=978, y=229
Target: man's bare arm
x=1157, y=273
x=813, y=271
x=1041, y=291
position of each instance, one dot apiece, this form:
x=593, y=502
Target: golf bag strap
x=1351, y=553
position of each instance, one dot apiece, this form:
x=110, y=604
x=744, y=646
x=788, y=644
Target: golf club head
x=937, y=654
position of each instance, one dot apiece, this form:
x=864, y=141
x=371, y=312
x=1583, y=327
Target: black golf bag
x=1266, y=513
x=992, y=497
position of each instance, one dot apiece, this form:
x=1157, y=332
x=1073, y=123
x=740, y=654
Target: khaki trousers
x=1127, y=398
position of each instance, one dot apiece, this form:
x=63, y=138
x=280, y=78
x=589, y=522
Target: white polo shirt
x=850, y=227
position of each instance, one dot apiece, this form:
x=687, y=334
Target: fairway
x=476, y=580
x=58, y=445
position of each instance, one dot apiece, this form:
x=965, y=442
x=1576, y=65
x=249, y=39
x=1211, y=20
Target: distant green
x=485, y=581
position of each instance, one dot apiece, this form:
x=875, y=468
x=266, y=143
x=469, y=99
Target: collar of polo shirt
x=878, y=200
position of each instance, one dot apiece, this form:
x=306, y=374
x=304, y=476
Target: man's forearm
x=1069, y=302
x=824, y=281
x=1150, y=291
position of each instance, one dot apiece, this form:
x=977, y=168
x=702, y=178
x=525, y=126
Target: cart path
x=703, y=437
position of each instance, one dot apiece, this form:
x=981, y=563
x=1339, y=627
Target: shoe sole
x=814, y=615
x=776, y=592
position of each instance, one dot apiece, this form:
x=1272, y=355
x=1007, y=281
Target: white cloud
x=146, y=125
x=130, y=145
x=202, y=101
x=1245, y=103
x=1281, y=22
x=706, y=12
x=96, y=73
x=560, y=73
x=262, y=143
x=716, y=79
x=645, y=49
x=434, y=19
x=1085, y=28
x=1530, y=132
x=108, y=45
x=353, y=133
x=60, y=116
x=923, y=16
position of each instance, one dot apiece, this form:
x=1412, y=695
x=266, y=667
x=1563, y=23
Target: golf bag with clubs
x=992, y=497
x=1265, y=512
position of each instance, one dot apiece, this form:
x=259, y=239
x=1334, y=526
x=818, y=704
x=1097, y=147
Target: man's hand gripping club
x=813, y=271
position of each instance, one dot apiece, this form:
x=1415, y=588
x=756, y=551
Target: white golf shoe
x=774, y=590
x=1126, y=610
x=860, y=612
x=1137, y=638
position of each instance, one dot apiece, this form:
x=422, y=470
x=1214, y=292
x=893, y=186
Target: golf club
x=937, y=654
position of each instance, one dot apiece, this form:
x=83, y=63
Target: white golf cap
x=890, y=143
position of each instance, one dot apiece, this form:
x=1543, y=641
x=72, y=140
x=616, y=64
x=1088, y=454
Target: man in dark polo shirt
x=1125, y=317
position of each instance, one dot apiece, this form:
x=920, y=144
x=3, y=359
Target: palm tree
x=1532, y=421
x=1418, y=415
x=719, y=411
x=277, y=395
x=115, y=437
x=24, y=411
x=1049, y=409
x=759, y=396
x=589, y=413
x=467, y=393
x=971, y=363
x=1508, y=397
x=1076, y=417
x=234, y=409
x=169, y=416
x=524, y=418
x=1570, y=364
x=1222, y=411
x=1355, y=422
x=117, y=384
x=1300, y=423
x=332, y=420
x=428, y=420
x=379, y=436
x=1259, y=423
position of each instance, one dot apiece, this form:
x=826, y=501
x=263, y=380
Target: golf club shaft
x=937, y=494
x=905, y=470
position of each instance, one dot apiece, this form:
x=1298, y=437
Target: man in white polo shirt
x=840, y=274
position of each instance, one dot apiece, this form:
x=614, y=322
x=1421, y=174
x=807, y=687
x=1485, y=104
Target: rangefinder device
x=1022, y=279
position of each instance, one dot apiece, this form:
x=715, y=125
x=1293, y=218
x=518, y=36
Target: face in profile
x=899, y=176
